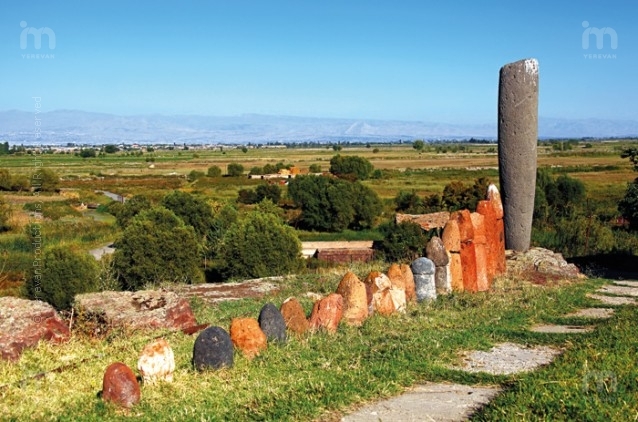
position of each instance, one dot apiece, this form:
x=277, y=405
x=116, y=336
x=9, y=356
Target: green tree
x=418, y=145
x=235, y=169
x=244, y=150
x=260, y=245
x=315, y=168
x=214, y=171
x=62, y=274
x=195, y=175
x=628, y=206
x=112, y=149
x=45, y=180
x=156, y=247
x=223, y=217
x=194, y=211
x=632, y=154
x=87, y=153
x=256, y=171
x=329, y=204
x=351, y=167
x=124, y=213
x=408, y=202
x=268, y=191
x=367, y=206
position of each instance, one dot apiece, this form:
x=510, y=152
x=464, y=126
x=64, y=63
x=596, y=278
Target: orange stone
x=410, y=287
x=468, y=251
x=327, y=313
x=396, y=276
x=456, y=272
x=355, y=301
x=478, y=222
x=247, y=336
x=492, y=210
x=371, y=289
x=451, y=236
x=294, y=316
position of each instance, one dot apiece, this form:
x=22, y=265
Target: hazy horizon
x=373, y=60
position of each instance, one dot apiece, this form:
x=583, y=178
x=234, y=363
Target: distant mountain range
x=80, y=127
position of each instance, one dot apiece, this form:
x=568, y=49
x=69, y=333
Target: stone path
x=613, y=300
x=593, y=313
x=456, y=402
x=428, y=402
x=560, y=329
x=508, y=358
x=618, y=290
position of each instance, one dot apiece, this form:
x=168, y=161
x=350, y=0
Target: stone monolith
x=517, y=140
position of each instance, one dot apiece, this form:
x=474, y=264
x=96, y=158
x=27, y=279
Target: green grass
x=320, y=375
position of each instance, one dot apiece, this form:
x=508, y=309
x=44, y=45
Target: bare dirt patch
x=219, y=292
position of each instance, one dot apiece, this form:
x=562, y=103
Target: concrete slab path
x=428, y=402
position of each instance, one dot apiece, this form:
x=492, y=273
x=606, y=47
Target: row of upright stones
x=469, y=254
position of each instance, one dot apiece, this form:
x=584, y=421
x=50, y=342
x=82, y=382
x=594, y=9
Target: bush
x=61, y=275
x=235, y=170
x=214, y=171
x=351, y=167
x=260, y=245
x=628, y=206
x=125, y=212
x=195, y=175
x=315, y=168
x=263, y=191
x=45, y=180
x=329, y=204
x=192, y=210
x=157, y=247
x=403, y=242
x=408, y=202
x=5, y=215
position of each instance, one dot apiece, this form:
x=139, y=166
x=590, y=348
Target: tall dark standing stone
x=517, y=139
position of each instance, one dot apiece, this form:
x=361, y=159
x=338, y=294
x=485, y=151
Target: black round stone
x=213, y=349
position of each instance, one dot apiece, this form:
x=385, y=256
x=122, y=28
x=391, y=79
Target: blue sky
x=403, y=60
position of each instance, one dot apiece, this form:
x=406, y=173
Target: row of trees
x=44, y=180
x=455, y=196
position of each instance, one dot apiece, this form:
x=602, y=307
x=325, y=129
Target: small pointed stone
x=355, y=302
x=327, y=313
x=408, y=277
x=435, y=251
x=294, y=316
